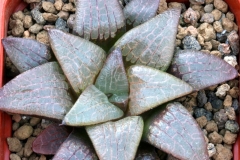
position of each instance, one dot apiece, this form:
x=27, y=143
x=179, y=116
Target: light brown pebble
x=228, y=146
x=26, y=34
x=233, y=83
x=28, y=147
x=58, y=4
x=211, y=126
x=235, y=27
x=197, y=7
x=14, y=144
x=207, y=17
x=15, y=126
x=208, y=106
x=222, y=153
x=227, y=24
x=229, y=138
x=197, y=2
x=234, y=92
x=36, y=28
x=14, y=157
x=11, y=23
x=20, y=153
x=205, y=51
x=34, y=121
x=48, y=27
x=216, y=53
x=227, y=101
x=178, y=42
x=215, y=44
x=192, y=31
x=209, y=1
x=221, y=5
x=50, y=17
x=230, y=16
x=162, y=6
x=16, y=117
x=18, y=15
x=190, y=16
x=230, y=113
x=18, y=29
x=27, y=21
x=32, y=1
x=174, y=5
x=37, y=131
x=202, y=121
x=33, y=157
x=207, y=46
x=207, y=31
x=23, y=132
x=42, y=157
x=217, y=14
x=68, y=7
x=206, y=139
x=63, y=14
x=182, y=32
x=217, y=25
x=215, y=138
x=43, y=37
x=200, y=39
x=48, y=7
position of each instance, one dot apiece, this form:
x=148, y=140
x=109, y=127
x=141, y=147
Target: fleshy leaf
x=175, y=131
x=26, y=53
x=80, y=59
x=75, y=147
x=50, y=139
x=201, y=70
x=117, y=140
x=92, y=107
x=151, y=43
x=113, y=80
x=41, y=91
x=98, y=19
x=150, y=87
x=139, y=11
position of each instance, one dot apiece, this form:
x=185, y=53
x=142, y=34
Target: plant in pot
x=86, y=89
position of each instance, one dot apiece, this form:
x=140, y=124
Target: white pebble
x=221, y=90
x=232, y=60
x=211, y=149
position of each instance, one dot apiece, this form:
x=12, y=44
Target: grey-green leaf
x=41, y=91
x=176, y=132
x=117, y=140
x=80, y=59
x=113, y=79
x=139, y=11
x=92, y=107
x=151, y=43
x=150, y=87
x=98, y=19
x=26, y=53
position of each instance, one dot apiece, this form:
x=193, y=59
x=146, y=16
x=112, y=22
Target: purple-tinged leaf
x=98, y=19
x=113, y=80
x=49, y=141
x=76, y=147
x=175, y=131
x=201, y=70
x=41, y=91
x=150, y=87
x=139, y=11
x=92, y=107
x=26, y=53
x=117, y=140
x=151, y=43
x=80, y=59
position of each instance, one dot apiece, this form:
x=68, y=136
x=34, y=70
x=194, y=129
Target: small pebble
x=45, y=123
x=233, y=83
x=70, y=21
x=211, y=149
x=227, y=24
x=207, y=31
x=14, y=157
x=192, y=31
x=198, y=112
x=37, y=131
x=220, y=118
x=64, y=15
x=43, y=37
x=216, y=14
x=48, y=7
x=14, y=144
x=58, y=4
x=15, y=126
x=190, y=42
x=208, y=1
x=232, y=60
x=208, y=47
x=23, y=132
x=230, y=16
x=68, y=7
x=28, y=147
x=18, y=15
x=16, y=117
x=222, y=37
x=227, y=101
x=215, y=138
x=208, y=106
x=234, y=92
x=222, y=153
x=50, y=17
x=211, y=126
x=229, y=138
x=221, y=5
x=208, y=8
x=224, y=48
x=217, y=25
x=18, y=29
x=34, y=121
x=233, y=40
x=36, y=28
x=27, y=21
x=207, y=17
x=235, y=105
x=32, y=1
x=62, y=25
x=190, y=16
x=37, y=16
x=230, y=113
x=202, y=121
x=217, y=104
x=214, y=44
x=201, y=98
x=222, y=90
x=197, y=2
x=232, y=126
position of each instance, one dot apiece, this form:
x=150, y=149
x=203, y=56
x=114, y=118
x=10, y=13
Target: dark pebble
x=199, y=112
x=217, y=104
x=222, y=37
x=232, y=126
x=62, y=25
x=52, y=1
x=37, y=16
x=201, y=98
x=220, y=118
x=190, y=42
x=211, y=96
x=235, y=105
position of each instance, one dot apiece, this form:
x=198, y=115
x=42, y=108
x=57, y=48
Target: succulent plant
x=112, y=97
